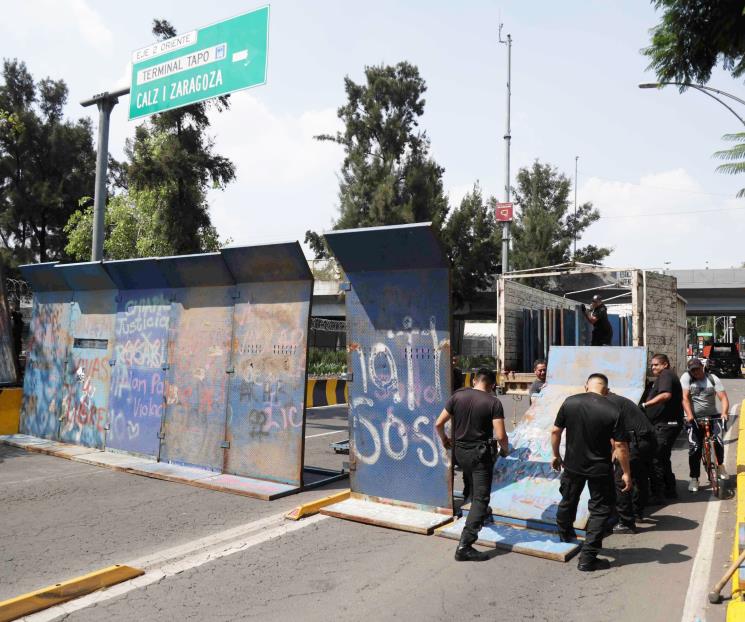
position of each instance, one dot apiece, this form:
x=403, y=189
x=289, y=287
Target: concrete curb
x=326, y=392
x=23, y=605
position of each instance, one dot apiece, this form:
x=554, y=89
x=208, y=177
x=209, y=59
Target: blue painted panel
x=267, y=262
x=87, y=378
x=400, y=247
x=138, y=377
x=45, y=364
x=199, y=357
x=85, y=276
x=136, y=274
x=524, y=485
x=399, y=351
x=267, y=390
x=195, y=270
x=43, y=277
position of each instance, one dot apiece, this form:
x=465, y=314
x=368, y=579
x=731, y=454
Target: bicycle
x=709, y=454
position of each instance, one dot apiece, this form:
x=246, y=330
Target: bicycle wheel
x=710, y=464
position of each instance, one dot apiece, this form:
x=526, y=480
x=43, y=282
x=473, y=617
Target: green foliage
x=387, y=176
x=46, y=165
x=734, y=157
x=326, y=362
x=474, y=362
x=133, y=228
x=693, y=36
x=544, y=229
x=473, y=242
x=172, y=155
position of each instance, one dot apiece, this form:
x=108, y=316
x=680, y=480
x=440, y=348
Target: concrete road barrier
x=326, y=392
x=10, y=409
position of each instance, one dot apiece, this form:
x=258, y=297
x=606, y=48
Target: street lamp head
x=650, y=85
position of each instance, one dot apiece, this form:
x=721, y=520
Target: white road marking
x=52, y=477
x=326, y=433
x=175, y=560
x=694, y=609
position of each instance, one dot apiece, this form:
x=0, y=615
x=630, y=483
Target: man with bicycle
x=700, y=393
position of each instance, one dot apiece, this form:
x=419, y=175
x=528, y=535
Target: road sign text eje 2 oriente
x=200, y=64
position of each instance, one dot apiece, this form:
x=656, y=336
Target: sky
x=645, y=156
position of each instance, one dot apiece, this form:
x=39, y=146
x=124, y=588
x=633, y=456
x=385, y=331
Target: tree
x=172, y=156
x=472, y=240
x=387, y=176
x=132, y=226
x=735, y=157
x=693, y=36
x=544, y=229
x=46, y=165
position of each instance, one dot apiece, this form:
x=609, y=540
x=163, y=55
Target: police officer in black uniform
x=663, y=405
x=602, y=331
x=642, y=445
x=591, y=422
x=477, y=417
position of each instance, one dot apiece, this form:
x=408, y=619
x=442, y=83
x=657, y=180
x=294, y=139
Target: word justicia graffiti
x=410, y=406
x=138, y=318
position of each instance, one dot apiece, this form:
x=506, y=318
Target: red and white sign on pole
x=503, y=212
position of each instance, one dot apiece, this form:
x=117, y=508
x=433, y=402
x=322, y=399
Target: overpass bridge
x=712, y=292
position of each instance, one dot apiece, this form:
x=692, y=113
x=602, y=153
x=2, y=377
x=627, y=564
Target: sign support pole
x=105, y=103
x=507, y=139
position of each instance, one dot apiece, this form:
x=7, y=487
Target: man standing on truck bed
x=602, y=331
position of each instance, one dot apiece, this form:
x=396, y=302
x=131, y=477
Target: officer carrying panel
x=525, y=490
x=266, y=399
x=47, y=351
x=398, y=319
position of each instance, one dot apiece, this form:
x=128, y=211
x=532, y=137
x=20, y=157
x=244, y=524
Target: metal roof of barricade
x=137, y=273
x=282, y=261
x=43, y=277
x=399, y=247
x=85, y=276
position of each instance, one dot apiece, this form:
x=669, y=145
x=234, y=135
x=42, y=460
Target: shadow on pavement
x=667, y=522
x=668, y=554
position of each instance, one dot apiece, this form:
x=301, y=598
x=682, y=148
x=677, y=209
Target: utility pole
x=507, y=139
x=574, y=254
x=105, y=103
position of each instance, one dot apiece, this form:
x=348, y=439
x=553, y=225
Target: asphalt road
x=61, y=519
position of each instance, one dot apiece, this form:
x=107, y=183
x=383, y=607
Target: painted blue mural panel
x=45, y=364
x=399, y=349
x=138, y=377
x=87, y=380
x=199, y=357
x=267, y=389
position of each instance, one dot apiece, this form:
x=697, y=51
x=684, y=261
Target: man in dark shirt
x=477, y=416
x=539, y=369
x=663, y=405
x=642, y=444
x=602, y=331
x=591, y=422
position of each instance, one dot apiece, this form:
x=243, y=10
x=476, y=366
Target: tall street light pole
x=706, y=90
x=574, y=255
x=105, y=103
x=507, y=138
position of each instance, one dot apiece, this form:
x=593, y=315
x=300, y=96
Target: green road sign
x=200, y=64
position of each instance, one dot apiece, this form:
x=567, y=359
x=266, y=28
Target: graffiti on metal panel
x=524, y=485
x=138, y=378
x=45, y=366
x=416, y=385
x=195, y=390
x=85, y=401
x=7, y=353
x=265, y=403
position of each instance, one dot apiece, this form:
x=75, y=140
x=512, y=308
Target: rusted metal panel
x=198, y=356
x=46, y=361
x=85, y=402
x=398, y=319
x=524, y=485
x=138, y=375
x=267, y=389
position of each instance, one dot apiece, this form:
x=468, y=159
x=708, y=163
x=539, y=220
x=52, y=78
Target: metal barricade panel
x=138, y=376
x=198, y=356
x=88, y=375
x=45, y=364
x=524, y=485
x=8, y=371
x=399, y=349
x=267, y=389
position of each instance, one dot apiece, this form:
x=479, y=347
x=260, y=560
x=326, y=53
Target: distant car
x=724, y=361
